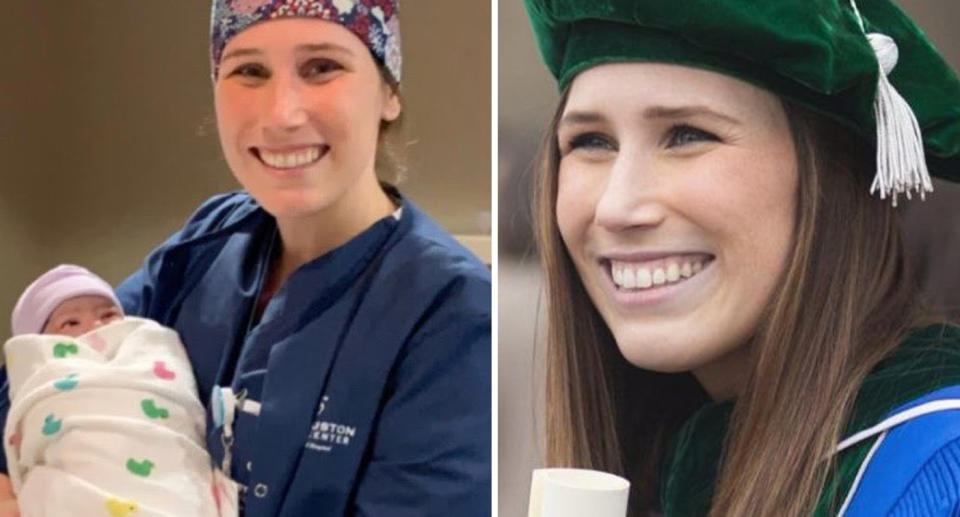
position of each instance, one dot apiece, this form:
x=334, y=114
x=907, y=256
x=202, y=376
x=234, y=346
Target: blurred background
x=108, y=141
x=527, y=99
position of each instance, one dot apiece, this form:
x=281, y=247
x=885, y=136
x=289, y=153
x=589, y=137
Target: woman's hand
x=8, y=501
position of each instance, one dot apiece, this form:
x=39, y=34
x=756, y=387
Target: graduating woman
x=339, y=336
x=732, y=324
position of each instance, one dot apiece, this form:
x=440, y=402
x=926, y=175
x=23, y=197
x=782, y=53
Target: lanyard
x=224, y=404
x=223, y=407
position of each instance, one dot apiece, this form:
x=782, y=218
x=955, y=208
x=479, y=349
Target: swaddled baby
x=104, y=417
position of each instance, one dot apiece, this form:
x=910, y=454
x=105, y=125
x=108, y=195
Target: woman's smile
x=645, y=273
x=290, y=159
x=638, y=281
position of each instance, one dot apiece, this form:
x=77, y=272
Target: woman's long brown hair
x=845, y=300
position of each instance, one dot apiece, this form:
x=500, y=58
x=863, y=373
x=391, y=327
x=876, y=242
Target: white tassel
x=901, y=164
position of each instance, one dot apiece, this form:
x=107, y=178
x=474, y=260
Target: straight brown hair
x=845, y=300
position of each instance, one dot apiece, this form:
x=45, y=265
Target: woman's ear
x=391, y=105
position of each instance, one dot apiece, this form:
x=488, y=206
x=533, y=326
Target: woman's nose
x=287, y=110
x=631, y=196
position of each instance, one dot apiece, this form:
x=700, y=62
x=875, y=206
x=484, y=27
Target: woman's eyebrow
x=240, y=52
x=307, y=47
x=314, y=47
x=573, y=118
x=678, y=112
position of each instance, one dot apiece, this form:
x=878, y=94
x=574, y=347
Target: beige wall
x=107, y=140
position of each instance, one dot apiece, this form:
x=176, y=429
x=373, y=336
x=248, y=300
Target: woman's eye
x=683, y=135
x=316, y=67
x=592, y=141
x=251, y=70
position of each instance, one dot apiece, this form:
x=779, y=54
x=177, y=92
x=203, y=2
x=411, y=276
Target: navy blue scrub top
x=371, y=364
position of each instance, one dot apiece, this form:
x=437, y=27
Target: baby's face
x=81, y=314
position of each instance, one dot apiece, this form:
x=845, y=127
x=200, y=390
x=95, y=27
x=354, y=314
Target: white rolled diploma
x=577, y=493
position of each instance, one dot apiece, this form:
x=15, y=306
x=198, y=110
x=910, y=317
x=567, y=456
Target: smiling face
x=79, y=315
x=299, y=105
x=676, y=202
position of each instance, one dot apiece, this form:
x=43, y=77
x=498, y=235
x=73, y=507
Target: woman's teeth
x=290, y=160
x=628, y=275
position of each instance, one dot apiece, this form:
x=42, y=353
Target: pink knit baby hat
x=52, y=288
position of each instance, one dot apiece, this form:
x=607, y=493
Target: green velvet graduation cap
x=867, y=66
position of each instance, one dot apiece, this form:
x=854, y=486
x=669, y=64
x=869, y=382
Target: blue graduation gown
x=371, y=364
x=915, y=468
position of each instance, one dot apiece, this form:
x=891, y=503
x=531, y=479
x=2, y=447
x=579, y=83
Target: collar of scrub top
x=250, y=211
x=224, y=399
x=868, y=66
x=375, y=22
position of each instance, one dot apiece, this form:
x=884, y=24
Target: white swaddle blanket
x=109, y=424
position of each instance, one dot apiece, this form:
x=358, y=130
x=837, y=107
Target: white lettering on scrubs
x=324, y=434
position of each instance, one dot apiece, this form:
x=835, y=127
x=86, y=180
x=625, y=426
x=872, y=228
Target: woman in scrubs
x=732, y=324
x=339, y=336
